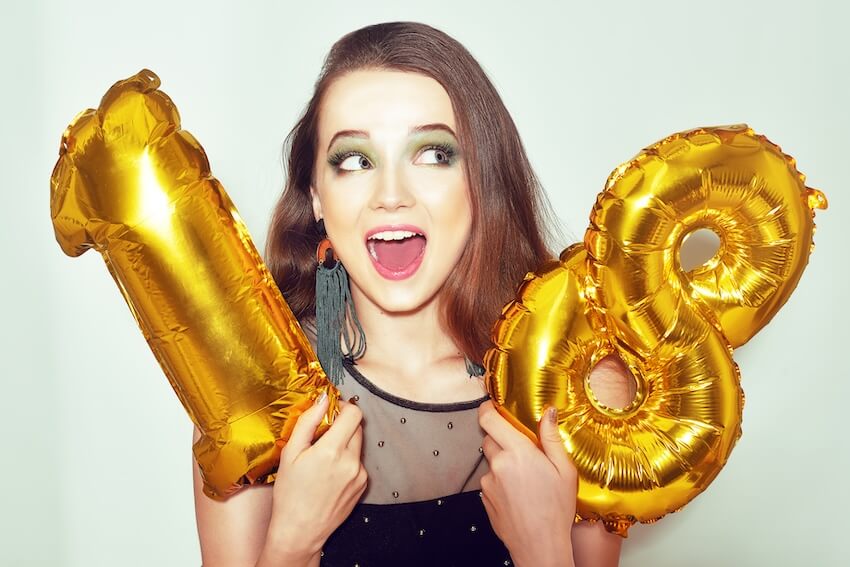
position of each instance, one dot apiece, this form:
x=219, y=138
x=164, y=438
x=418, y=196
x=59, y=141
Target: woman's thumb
x=552, y=442
x=305, y=427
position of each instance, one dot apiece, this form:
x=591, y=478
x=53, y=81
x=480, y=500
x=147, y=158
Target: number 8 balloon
x=624, y=292
x=134, y=186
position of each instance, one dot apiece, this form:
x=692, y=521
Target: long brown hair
x=507, y=238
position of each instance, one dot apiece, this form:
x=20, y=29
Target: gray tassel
x=333, y=303
x=473, y=369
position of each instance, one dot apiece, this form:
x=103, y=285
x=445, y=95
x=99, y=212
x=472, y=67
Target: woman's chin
x=400, y=296
x=400, y=299
x=401, y=305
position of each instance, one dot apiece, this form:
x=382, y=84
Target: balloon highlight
x=131, y=184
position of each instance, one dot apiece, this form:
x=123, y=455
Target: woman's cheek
x=451, y=204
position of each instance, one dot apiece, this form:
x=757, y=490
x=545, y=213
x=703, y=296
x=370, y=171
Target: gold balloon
x=135, y=187
x=725, y=179
x=624, y=292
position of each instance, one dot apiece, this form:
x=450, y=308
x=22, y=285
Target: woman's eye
x=436, y=156
x=354, y=162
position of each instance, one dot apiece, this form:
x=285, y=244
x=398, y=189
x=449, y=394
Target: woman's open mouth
x=396, y=251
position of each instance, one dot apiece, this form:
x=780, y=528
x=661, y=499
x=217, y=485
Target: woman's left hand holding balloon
x=529, y=494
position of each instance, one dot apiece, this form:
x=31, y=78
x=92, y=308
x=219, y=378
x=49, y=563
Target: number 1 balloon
x=624, y=291
x=135, y=187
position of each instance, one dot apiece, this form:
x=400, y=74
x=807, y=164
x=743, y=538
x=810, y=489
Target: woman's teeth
x=392, y=235
x=387, y=236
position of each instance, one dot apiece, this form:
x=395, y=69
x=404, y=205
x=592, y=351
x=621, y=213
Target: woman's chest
x=413, y=452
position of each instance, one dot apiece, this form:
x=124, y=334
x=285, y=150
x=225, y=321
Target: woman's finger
x=553, y=444
x=355, y=444
x=490, y=447
x=343, y=427
x=305, y=428
x=505, y=434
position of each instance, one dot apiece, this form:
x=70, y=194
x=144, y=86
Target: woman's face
x=390, y=184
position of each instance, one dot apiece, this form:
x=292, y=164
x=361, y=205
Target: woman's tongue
x=396, y=255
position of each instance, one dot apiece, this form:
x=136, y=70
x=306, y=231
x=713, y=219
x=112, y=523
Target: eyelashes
x=336, y=159
x=447, y=149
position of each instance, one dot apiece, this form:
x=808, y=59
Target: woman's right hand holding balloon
x=317, y=485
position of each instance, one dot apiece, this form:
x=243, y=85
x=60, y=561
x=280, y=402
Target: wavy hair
x=508, y=235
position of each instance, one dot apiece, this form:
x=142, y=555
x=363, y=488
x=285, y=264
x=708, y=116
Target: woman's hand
x=317, y=484
x=529, y=494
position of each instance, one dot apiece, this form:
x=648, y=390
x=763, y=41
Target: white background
x=94, y=446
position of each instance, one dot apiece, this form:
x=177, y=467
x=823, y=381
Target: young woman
x=407, y=165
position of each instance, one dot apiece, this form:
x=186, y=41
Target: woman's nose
x=392, y=190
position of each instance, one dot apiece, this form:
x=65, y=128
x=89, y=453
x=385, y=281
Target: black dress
x=422, y=504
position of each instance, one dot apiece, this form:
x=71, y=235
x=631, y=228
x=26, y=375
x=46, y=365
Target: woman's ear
x=317, y=205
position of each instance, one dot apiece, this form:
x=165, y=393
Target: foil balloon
x=725, y=179
x=134, y=186
x=624, y=291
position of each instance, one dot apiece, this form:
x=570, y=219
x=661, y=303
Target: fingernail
x=353, y=400
x=552, y=415
x=321, y=399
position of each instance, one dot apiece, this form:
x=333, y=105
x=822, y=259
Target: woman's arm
x=524, y=499
x=235, y=532
x=318, y=484
x=594, y=546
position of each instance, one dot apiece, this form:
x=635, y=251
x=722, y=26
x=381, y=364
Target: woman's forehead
x=383, y=103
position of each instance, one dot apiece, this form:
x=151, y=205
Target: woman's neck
x=402, y=349
x=414, y=340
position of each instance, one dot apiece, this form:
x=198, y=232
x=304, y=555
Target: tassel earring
x=334, y=307
x=472, y=368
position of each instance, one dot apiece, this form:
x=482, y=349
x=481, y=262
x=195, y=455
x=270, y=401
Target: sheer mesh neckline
x=415, y=451
x=350, y=365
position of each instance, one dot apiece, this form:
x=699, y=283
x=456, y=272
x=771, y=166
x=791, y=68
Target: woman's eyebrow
x=347, y=134
x=413, y=130
x=430, y=127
